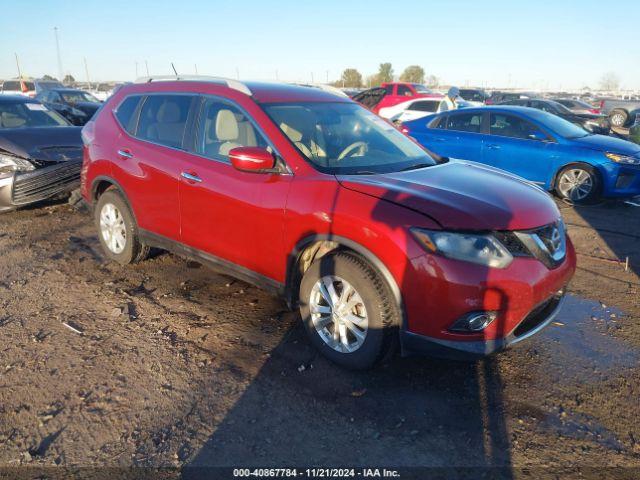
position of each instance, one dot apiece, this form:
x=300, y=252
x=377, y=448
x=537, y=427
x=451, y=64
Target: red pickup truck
x=392, y=93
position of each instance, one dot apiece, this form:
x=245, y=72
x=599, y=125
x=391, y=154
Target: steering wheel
x=351, y=148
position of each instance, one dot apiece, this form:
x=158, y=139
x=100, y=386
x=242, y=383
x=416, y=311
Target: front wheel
x=348, y=310
x=578, y=184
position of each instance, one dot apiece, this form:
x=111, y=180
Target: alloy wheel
x=338, y=314
x=575, y=184
x=618, y=120
x=113, y=228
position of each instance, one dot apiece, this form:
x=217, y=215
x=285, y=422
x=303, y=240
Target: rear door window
x=465, y=122
x=511, y=126
x=125, y=113
x=163, y=119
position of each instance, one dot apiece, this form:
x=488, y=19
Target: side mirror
x=252, y=159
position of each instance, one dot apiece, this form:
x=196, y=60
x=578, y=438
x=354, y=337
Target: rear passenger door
x=457, y=135
x=149, y=156
x=234, y=216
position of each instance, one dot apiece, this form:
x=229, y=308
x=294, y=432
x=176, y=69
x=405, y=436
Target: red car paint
x=260, y=221
x=399, y=92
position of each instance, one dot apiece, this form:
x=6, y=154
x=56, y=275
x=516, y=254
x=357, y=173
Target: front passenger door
x=234, y=216
x=520, y=147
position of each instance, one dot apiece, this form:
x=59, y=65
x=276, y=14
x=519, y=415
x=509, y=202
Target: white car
x=412, y=109
x=28, y=88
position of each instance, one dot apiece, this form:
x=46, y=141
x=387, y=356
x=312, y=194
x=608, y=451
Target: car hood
x=462, y=195
x=604, y=143
x=46, y=144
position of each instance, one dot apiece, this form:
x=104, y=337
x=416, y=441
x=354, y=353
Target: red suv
x=315, y=198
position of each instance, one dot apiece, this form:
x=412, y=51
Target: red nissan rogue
x=313, y=197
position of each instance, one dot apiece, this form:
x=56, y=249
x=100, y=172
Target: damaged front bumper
x=24, y=188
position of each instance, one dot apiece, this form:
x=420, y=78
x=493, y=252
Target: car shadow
x=300, y=410
x=618, y=225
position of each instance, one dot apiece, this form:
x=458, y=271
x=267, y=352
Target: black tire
x=382, y=310
x=134, y=250
x=618, y=118
x=596, y=182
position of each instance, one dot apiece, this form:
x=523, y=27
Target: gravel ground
x=168, y=364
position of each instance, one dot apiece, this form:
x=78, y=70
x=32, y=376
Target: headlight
x=10, y=164
x=624, y=159
x=481, y=249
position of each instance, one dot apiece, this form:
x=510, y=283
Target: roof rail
x=229, y=82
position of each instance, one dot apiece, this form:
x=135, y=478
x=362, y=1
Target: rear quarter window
x=125, y=113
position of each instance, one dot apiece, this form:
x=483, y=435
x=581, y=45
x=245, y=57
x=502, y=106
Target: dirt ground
x=168, y=364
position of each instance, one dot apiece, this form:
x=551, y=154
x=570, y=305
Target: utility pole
x=18, y=65
x=327, y=76
x=195, y=66
x=86, y=69
x=311, y=77
x=146, y=66
x=237, y=73
x=136, y=69
x=60, y=72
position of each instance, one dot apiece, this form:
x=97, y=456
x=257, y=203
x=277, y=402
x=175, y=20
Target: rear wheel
x=578, y=184
x=618, y=118
x=117, y=229
x=348, y=310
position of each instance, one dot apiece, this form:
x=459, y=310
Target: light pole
x=60, y=72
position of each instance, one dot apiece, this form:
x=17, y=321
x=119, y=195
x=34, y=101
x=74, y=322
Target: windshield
x=561, y=126
x=75, y=97
x=560, y=107
x=421, y=88
x=345, y=138
x=23, y=115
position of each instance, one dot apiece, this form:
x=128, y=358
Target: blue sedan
x=540, y=147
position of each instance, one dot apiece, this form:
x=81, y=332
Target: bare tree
x=432, y=81
x=610, y=82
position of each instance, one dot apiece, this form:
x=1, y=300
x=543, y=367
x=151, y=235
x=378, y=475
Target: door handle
x=493, y=147
x=124, y=154
x=191, y=177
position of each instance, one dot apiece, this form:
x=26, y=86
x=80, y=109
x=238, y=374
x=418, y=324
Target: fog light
x=473, y=322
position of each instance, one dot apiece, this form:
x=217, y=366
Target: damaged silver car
x=40, y=153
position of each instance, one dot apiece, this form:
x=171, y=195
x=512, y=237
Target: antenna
x=18, y=65
x=86, y=69
x=174, y=69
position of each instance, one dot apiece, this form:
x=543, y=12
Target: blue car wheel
x=578, y=183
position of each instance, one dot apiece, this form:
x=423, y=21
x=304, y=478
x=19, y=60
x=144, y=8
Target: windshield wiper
x=416, y=166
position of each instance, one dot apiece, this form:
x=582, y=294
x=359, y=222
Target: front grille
x=537, y=316
x=513, y=244
x=45, y=182
x=548, y=243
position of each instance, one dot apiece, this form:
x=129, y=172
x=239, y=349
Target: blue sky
x=554, y=44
